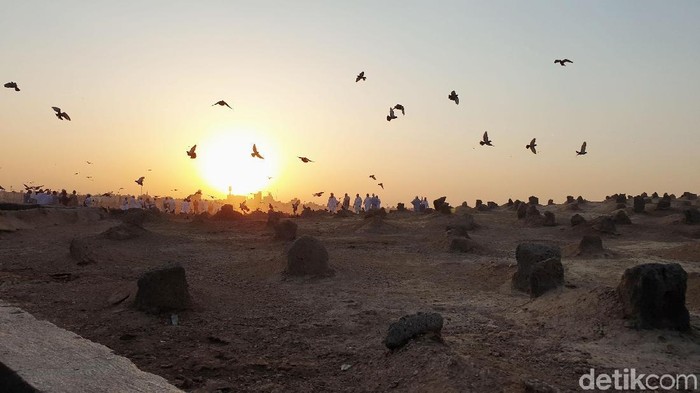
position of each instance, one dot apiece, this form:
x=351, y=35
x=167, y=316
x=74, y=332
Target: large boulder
x=410, y=326
x=285, y=230
x=692, y=216
x=545, y=261
x=163, y=289
x=653, y=296
x=307, y=256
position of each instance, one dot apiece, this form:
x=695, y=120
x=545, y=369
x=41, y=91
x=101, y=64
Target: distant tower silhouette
x=229, y=190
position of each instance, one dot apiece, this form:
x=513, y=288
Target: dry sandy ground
x=253, y=329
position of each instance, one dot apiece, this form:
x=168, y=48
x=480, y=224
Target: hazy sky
x=138, y=79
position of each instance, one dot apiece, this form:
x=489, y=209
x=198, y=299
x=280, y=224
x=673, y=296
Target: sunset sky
x=138, y=79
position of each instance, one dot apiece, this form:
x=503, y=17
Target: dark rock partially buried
x=82, y=251
x=285, y=230
x=577, y=219
x=639, y=204
x=621, y=218
x=653, y=296
x=549, y=219
x=410, y=326
x=692, y=216
x=227, y=213
x=539, y=268
x=124, y=232
x=307, y=256
x=163, y=289
x=591, y=244
x=606, y=225
x=463, y=244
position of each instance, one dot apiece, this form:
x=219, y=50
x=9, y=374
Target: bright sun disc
x=224, y=160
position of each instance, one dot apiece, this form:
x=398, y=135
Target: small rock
x=606, y=225
x=692, y=216
x=533, y=200
x=621, y=218
x=462, y=244
x=577, y=219
x=549, y=219
x=410, y=326
x=591, y=244
x=345, y=367
x=285, y=230
x=163, y=289
x=307, y=256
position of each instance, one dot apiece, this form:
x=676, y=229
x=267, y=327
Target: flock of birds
x=192, y=152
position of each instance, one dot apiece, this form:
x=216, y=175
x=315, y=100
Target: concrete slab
x=39, y=356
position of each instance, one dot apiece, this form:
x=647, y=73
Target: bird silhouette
x=88, y=177
x=76, y=173
x=583, y=150
x=361, y=77
x=192, y=152
x=532, y=145
x=12, y=85
x=372, y=177
x=486, y=140
x=318, y=194
x=61, y=115
x=400, y=107
x=140, y=180
x=269, y=205
x=222, y=103
x=304, y=159
x=2, y=188
x=563, y=62
x=381, y=185
x=454, y=97
x=89, y=163
x=391, y=115
x=255, y=153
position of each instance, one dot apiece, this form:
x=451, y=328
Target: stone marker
x=549, y=219
x=606, y=225
x=462, y=244
x=591, y=244
x=285, y=230
x=82, y=252
x=163, y=289
x=577, y=219
x=307, y=256
x=639, y=203
x=621, y=218
x=653, y=296
x=539, y=268
x=692, y=216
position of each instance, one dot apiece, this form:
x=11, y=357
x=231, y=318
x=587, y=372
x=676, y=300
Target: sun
x=224, y=160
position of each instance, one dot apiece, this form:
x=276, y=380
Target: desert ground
x=252, y=328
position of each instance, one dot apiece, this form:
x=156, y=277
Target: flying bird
x=89, y=163
x=372, y=177
x=255, y=153
x=391, y=115
x=318, y=194
x=222, y=103
x=583, y=150
x=563, y=62
x=304, y=159
x=486, y=140
x=532, y=145
x=88, y=177
x=140, y=180
x=400, y=107
x=454, y=97
x=12, y=85
x=360, y=77
x=192, y=152
x=76, y=173
x=61, y=115
x=381, y=185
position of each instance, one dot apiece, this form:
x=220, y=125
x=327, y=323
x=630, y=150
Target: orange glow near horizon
x=224, y=160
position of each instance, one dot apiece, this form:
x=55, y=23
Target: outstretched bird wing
x=566, y=61
x=57, y=109
x=486, y=136
x=583, y=147
x=66, y=116
x=193, y=149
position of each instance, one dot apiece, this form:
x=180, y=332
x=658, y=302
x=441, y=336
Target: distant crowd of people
x=370, y=202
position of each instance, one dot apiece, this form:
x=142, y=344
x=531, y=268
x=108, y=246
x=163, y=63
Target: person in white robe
x=357, y=205
x=185, y=207
x=332, y=203
x=368, y=203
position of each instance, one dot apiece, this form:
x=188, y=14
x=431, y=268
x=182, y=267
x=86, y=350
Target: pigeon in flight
x=391, y=115
x=372, y=177
x=2, y=188
x=360, y=77
x=12, y=85
x=255, y=153
x=454, y=97
x=140, y=180
x=222, y=103
x=381, y=185
x=563, y=62
x=89, y=163
x=400, y=107
x=486, y=140
x=318, y=194
x=532, y=146
x=192, y=152
x=583, y=150
x=305, y=160
x=76, y=173
x=59, y=114
x=88, y=177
